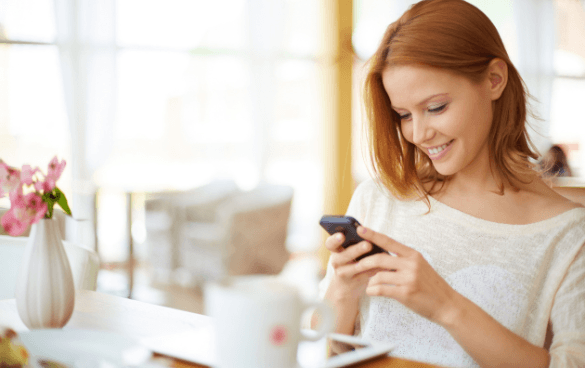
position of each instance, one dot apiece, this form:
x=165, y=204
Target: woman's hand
x=348, y=283
x=408, y=278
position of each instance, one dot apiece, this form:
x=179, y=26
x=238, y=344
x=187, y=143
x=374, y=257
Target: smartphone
x=347, y=225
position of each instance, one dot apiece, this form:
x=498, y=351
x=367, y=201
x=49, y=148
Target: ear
x=497, y=78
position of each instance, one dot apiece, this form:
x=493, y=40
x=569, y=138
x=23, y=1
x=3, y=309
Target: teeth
x=434, y=151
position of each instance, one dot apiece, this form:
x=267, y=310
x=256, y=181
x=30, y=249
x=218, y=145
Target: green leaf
x=62, y=201
x=49, y=212
x=50, y=201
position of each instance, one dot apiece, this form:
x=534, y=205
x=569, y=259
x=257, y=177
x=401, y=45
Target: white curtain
x=86, y=41
x=535, y=27
x=265, y=33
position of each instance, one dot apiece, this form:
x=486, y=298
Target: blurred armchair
x=166, y=214
x=248, y=236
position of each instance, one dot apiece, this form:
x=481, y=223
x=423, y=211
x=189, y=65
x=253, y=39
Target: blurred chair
x=248, y=236
x=201, y=204
x=84, y=264
x=165, y=214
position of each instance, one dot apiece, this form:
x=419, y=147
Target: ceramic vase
x=45, y=293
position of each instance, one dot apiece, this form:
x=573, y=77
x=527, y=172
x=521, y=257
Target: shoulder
x=556, y=204
x=370, y=199
x=373, y=189
x=544, y=202
x=368, y=184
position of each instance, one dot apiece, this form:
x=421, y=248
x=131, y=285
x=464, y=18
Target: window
x=567, y=125
x=171, y=93
x=221, y=89
x=33, y=121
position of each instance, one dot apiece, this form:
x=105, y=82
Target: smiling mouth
x=437, y=150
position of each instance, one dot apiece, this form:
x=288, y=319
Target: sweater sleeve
x=568, y=318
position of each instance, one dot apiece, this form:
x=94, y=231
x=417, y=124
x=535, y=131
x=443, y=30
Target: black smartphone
x=347, y=225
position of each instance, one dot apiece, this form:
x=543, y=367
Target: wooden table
x=98, y=311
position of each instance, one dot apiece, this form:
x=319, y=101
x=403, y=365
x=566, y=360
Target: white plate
x=78, y=347
x=314, y=354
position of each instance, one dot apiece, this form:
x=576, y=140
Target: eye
x=404, y=117
x=437, y=109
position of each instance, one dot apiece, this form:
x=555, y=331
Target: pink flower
x=25, y=210
x=35, y=207
x=17, y=198
x=27, y=173
x=45, y=186
x=9, y=179
x=55, y=169
x=12, y=223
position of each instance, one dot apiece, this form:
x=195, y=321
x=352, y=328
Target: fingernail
x=338, y=237
x=362, y=230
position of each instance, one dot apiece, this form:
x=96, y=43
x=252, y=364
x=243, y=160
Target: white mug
x=257, y=322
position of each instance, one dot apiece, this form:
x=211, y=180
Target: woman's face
x=445, y=115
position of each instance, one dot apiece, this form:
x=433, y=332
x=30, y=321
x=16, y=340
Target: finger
x=348, y=271
x=387, y=290
x=382, y=261
x=349, y=254
x=384, y=242
x=388, y=284
x=338, y=260
x=388, y=278
x=356, y=250
x=333, y=243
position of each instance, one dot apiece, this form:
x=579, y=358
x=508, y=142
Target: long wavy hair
x=456, y=36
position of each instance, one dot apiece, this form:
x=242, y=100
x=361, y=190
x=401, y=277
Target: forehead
x=408, y=85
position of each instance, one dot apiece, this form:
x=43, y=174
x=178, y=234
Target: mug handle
x=326, y=313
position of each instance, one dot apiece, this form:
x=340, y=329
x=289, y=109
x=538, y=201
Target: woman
x=485, y=256
x=555, y=164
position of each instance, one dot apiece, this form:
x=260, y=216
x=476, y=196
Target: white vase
x=45, y=293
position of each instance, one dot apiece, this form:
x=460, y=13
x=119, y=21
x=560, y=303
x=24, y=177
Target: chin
x=445, y=170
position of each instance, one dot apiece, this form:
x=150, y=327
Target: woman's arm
x=346, y=285
x=410, y=280
x=487, y=341
x=346, y=312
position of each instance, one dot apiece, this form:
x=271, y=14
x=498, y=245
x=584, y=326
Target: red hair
x=456, y=36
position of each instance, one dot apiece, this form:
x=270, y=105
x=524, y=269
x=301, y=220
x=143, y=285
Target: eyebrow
x=424, y=101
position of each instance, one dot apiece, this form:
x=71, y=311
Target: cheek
x=480, y=120
x=406, y=130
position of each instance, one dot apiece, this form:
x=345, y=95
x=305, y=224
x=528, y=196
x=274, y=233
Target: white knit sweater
x=522, y=275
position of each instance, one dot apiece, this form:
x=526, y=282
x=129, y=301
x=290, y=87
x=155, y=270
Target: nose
x=421, y=132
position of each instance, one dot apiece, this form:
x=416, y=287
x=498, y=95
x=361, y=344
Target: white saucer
x=72, y=346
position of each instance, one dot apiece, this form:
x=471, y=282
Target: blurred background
x=153, y=103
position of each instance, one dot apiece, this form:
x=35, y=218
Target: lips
x=437, y=152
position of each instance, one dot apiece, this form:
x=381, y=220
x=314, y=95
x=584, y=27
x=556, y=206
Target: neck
x=481, y=178
x=478, y=183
